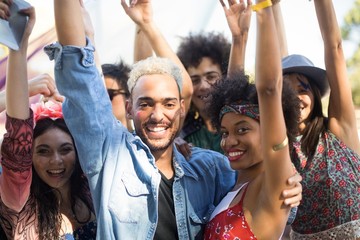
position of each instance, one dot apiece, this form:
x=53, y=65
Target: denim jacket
x=121, y=170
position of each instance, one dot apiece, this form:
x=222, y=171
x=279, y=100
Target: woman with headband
x=257, y=129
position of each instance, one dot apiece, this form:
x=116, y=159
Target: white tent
x=176, y=18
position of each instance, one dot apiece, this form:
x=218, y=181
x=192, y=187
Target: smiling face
x=303, y=89
x=206, y=69
x=241, y=141
x=156, y=110
x=54, y=157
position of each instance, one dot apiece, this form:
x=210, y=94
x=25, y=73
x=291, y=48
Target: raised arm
x=16, y=176
x=279, y=22
x=142, y=47
x=90, y=32
x=141, y=14
x=238, y=16
x=342, y=121
x=17, y=100
x=274, y=147
x=69, y=23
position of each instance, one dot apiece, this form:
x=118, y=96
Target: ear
x=182, y=109
x=128, y=107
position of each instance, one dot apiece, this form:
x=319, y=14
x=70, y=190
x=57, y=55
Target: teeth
x=55, y=171
x=234, y=154
x=157, y=129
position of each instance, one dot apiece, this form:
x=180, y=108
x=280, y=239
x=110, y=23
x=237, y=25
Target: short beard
x=156, y=147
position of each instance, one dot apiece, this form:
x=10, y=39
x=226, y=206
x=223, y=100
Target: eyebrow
x=238, y=123
x=149, y=99
x=44, y=145
x=304, y=84
x=163, y=99
x=198, y=75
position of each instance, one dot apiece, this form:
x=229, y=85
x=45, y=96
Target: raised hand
x=44, y=84
x=139, y=11
x=17, y=101
x=4, y=9
x=238, y=16
x=30, y=12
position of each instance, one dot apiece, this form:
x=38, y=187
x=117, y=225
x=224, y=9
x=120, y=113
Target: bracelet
x=281, y=145
x=261, y=5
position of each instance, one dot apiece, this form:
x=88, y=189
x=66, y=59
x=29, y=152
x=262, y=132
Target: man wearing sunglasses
x=115, y=76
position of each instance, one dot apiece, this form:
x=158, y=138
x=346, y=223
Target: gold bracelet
x=281, y=145
x=261, y=5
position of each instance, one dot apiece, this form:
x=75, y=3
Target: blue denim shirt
x=121, y=170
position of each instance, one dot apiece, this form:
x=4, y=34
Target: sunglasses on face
x=114, y=92
x=209, y=77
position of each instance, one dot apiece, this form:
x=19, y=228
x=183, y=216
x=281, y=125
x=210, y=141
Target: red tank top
x=229, y=224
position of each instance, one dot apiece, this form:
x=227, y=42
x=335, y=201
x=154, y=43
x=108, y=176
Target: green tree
x=351, y=32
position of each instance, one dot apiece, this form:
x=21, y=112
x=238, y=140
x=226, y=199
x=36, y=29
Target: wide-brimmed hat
x=296, y=63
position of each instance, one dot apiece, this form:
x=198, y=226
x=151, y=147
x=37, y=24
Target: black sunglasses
x=114, y=92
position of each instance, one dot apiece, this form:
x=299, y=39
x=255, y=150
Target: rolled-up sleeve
x=87, y=108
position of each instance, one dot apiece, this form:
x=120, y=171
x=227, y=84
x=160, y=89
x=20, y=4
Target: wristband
x=261, y=5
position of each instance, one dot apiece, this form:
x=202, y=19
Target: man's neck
x=163, y=160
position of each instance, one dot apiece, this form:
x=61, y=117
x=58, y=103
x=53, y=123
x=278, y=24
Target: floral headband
x=247, y=109
x=49, y=109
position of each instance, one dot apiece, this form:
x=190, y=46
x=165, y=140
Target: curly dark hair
x=45, y=196
x=237, y=87
x=211, y=44
x=119, y=72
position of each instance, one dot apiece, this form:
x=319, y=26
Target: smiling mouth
x=156, y=129
x=232, y=156
x=56, y=172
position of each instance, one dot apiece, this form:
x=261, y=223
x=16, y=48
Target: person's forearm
x=280, y=28
x=142, y=47
x=267, y=46
x=163, y=49
x=69, y=23
x=17, y=97
x=237, y=54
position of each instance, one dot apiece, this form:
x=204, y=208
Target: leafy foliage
x=351, y=32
